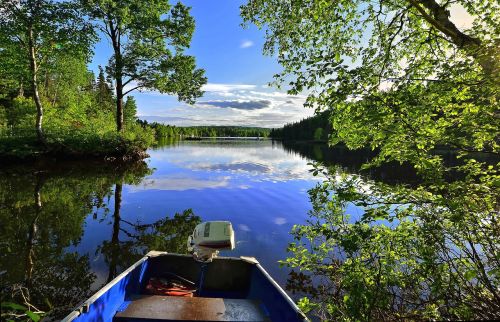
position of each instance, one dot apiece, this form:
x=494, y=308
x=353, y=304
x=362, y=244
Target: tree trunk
x=21, y=89
x=115, y=38
x=34, y=88
x=30, y=244
x=115, y=241
x=119, y=104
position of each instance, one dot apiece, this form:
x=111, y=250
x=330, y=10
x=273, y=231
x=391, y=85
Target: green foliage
x=148, y=47
x=3, y=121
x=79, y=117
x=104, y=94
x=318, y=134
x=57, y=28
x=224, y=131
x=168, y=234
x=398, y=77
x=408, y=254
x=44, y=49
x=13, y=309
x=315, y=128
x=131, y=241
x=33, y=35
x=130, y=110
x=20, y=116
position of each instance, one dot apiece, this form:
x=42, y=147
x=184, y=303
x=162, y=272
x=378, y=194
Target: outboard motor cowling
x=209, y=238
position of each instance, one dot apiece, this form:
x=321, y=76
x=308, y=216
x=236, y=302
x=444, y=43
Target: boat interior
x=232, y=289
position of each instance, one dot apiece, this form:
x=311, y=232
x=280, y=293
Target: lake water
x=69, y=228
x=66, y=229
x=257, y=185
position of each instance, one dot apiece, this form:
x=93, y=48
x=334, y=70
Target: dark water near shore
x=67, y=229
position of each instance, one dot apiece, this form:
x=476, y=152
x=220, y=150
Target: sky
x=238, y=73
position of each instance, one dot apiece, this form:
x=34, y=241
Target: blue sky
x=237, y=71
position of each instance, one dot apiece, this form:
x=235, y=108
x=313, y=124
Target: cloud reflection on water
x=235, y=166
x=255, y=161
x=243, y=227
x=173, y=183
x=280, y=221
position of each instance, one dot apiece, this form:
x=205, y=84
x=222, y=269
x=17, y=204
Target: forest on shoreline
x=171, y=131
x=52, y=104
x=316, y=128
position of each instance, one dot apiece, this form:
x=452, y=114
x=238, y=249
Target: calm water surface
x=257, y=185
x=67, y=229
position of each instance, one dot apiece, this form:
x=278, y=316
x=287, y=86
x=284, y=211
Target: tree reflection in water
x=42, y=214
x=165, y=234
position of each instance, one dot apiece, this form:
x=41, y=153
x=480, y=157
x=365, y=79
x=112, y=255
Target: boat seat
x=173, y=308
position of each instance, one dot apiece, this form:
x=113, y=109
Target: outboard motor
x=209, y=238
x=205, y=243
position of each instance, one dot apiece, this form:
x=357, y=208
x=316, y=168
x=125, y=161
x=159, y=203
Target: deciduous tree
x=148, y=40
x=406, y=79
x=35, y=31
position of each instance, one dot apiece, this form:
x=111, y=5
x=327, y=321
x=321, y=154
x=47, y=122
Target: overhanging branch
x=440, y=20
x=439, y=17
x=132, y=89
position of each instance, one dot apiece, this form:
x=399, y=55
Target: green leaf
x=33, y=316
x=14, y=306
x=471, y=274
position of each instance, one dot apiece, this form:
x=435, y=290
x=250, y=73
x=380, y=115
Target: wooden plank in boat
x=172, y=308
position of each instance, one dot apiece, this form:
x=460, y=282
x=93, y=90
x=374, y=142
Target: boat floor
x=172, y=308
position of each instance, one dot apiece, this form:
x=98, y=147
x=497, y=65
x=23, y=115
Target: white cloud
x=214, y=87
x=230, y=104
x=269, y=94
x=246, y=44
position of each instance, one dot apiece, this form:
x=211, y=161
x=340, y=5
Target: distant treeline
x=163, y=131
x=315, y=128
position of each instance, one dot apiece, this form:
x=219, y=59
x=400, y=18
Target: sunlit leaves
x=400, y=78
x=410, y=251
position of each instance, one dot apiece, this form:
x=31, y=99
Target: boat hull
x=225, y=278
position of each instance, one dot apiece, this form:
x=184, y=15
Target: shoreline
x=7, y=159
x=29, y=153
x=114, y=149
